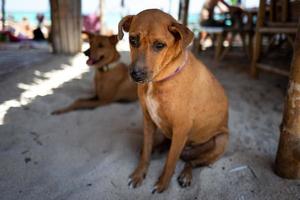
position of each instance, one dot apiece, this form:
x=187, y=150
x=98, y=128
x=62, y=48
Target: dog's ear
x=90, y=35
x=113, y=39
x=124, y=24
x=181, y=33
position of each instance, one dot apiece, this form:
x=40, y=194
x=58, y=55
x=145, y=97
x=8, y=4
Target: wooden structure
x=183, y=11
x=221, y=33
x=288, y=154
x=101, y=16
x=3, y=14
x=278, y=18
x=66, y=26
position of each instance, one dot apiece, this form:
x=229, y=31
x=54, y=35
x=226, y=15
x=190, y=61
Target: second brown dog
x=111, y=80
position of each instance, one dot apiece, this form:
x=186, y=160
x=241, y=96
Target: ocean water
x=31, y=16
x=111, y=19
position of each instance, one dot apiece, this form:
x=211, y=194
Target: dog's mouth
x=140, y=81
x=92, y=61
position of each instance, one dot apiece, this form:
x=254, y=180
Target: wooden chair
x=217, y=36
x=279, y=17
x=220, y=34
x=245, y=34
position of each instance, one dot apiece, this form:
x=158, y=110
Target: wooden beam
x=183, y=11
x=287, y=163
x=284, y=7
x=101, y=8
x=273, y=69
x=66, y=26
x=287, y=30
x=3, y=14
x=258, y=38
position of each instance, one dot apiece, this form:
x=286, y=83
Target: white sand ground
x=89, y=154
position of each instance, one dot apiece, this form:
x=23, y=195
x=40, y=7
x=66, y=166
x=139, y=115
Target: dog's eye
x=100, y=45
x=134, y=41
x=157, y=46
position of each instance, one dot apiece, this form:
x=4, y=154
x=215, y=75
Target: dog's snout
x=138, y=74
x=87, y=52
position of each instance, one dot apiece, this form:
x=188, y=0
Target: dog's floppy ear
x=124, y=24
x=113, y=39
x=90, y=35
x=181, y=33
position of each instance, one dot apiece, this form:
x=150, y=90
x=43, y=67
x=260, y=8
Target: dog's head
x=102, y=50
x=156, y=39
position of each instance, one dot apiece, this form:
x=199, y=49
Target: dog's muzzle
x=138, y=75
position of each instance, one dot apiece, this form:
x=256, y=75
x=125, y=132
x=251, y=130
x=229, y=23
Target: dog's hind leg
x=84, y=103
x=201, y=155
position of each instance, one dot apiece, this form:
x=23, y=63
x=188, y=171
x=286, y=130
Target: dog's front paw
x=136, y=178
x=160, y=186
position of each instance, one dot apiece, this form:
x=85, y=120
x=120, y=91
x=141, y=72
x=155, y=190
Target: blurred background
x=21, y=16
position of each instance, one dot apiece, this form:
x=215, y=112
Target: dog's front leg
x=136, y=178
x=179, y=138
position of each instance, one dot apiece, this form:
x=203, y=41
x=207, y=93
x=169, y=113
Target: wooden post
x=258, y=38
x=183, y=11
x=66, y=26
x=284, y=14
x=287, y=163
x=101, y=15
x=3, y=14
x=179, y=10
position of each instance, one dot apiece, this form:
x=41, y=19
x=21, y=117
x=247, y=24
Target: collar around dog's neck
x=108, y=67
x=178, y=69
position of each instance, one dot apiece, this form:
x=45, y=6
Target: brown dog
x=112, y=82
x=177, y=94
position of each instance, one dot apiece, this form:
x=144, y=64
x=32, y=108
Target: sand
x=89, y=154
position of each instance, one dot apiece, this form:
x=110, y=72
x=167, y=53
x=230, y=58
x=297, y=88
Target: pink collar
x=178, y=69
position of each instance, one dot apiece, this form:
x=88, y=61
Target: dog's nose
x=87, y=52
x=138, y=75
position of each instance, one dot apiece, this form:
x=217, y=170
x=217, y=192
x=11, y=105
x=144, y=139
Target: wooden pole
x=180, y=10
x=101, y=5
x=183, y=11
x=287, y=163
x=66, y=26
x=258, y=38
x=3, y=14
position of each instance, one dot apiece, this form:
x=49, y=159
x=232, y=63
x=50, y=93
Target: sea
x=111, y=19
x=31, y=16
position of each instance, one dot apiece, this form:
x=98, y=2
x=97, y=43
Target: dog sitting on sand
x=178, y=95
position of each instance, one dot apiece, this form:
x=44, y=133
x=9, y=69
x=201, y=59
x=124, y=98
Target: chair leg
x=243, y=36
x=219, y=46
x=250, y=45
x=229, y=47
x=196, y=43
x=256, y=53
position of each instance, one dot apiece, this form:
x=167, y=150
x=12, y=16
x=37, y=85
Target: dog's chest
x=152, y=106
